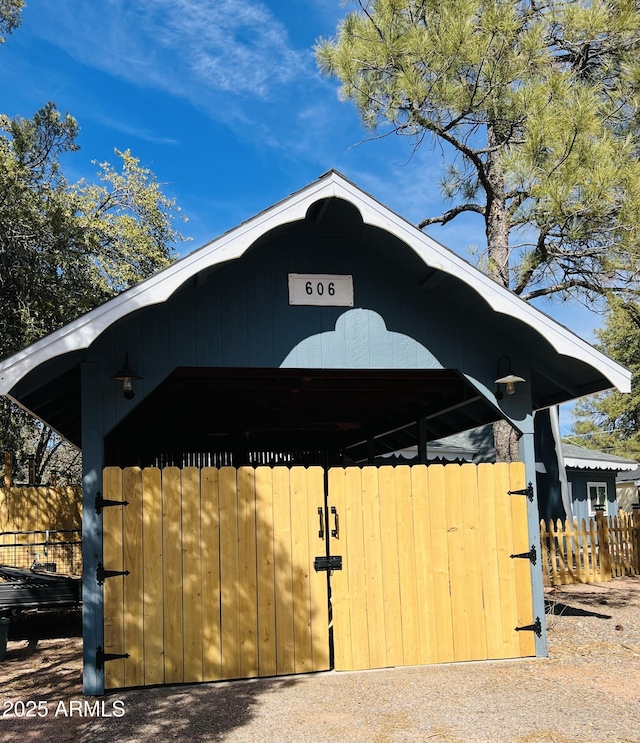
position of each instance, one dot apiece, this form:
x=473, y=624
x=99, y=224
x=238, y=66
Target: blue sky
x=223, y=101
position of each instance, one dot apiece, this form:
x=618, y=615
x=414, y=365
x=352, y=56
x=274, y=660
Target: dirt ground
x=587, y=691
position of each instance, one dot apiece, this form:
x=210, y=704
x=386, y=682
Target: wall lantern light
x=509, y=379
x=126, y=375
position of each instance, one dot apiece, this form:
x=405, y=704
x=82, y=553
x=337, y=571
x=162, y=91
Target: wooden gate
x=209, y=574
x=219, y=580
x=427, y=573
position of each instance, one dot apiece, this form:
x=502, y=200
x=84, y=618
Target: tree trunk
x=497, y=231
x=506, y=442
x=496, y=217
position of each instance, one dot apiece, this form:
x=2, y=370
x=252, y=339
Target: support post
x=8, y=468
x=422, y=441
x=527, y=455
x=32, y=469
x=92, y=465
x=371, y=450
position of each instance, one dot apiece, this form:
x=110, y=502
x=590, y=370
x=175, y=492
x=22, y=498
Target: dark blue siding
x=580, y=479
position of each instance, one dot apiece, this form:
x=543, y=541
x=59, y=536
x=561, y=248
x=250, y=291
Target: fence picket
x=593, y=541
x=635, y=542
x=571, y=572
x=608, y=547
x=587, y=572
x=562, y=562
x=545, y=557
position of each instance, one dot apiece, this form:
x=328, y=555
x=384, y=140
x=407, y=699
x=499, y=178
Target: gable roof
x=629, y=476
x=80, y=333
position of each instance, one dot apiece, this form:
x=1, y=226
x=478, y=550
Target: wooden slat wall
x=426, y=565
x=39, y=508
x=221, y=582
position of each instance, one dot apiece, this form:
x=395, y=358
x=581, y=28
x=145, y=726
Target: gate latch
x=328, y=563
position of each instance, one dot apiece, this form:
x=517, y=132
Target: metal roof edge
x=599, y=464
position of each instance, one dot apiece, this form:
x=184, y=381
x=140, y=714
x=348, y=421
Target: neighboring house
x=591, y=476
x=438, y=452
x=628, y=489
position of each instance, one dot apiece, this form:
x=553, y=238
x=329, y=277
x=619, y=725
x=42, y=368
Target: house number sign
x=329, y=290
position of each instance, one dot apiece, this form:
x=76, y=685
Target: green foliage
x=44, y=277
x=10, y=17
x=537, y=104
x=129, y=223
x=66, y=248
x=611, y=420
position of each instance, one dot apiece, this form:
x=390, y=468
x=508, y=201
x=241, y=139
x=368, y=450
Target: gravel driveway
x=587, y=690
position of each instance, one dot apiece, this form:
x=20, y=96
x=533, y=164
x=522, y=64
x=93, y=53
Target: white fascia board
x=598, y=464
x=82, y=332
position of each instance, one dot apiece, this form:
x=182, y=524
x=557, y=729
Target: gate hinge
x=102, y=657
x=535, y=627
x=102, y=574
x=102, y=503
x=530, y=555
x=328, y=563
x=528, y=491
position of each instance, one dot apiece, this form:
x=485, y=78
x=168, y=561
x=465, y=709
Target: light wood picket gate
x=595, y=550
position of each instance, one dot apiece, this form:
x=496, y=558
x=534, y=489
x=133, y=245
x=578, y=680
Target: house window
x=597, y=496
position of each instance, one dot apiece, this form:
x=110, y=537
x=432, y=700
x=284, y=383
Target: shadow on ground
x=560, y=609
x=202, y=712
x=44, y=663
x=606, y=594
x=46, y=625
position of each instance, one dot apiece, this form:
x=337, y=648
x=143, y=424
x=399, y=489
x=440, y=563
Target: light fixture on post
x=126, y=375
x=509, y=379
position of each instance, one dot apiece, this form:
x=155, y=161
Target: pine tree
x=534, y=104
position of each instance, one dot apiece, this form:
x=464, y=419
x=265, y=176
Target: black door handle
x=321, y=519
x=335, y=532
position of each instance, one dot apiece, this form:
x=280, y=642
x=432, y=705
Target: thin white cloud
x=191, y=48
x=126, y=128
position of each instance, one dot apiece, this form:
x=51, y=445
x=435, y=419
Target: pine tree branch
x=472, y=155
x=537, y=257
x=570, y=284
x=452, y=214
